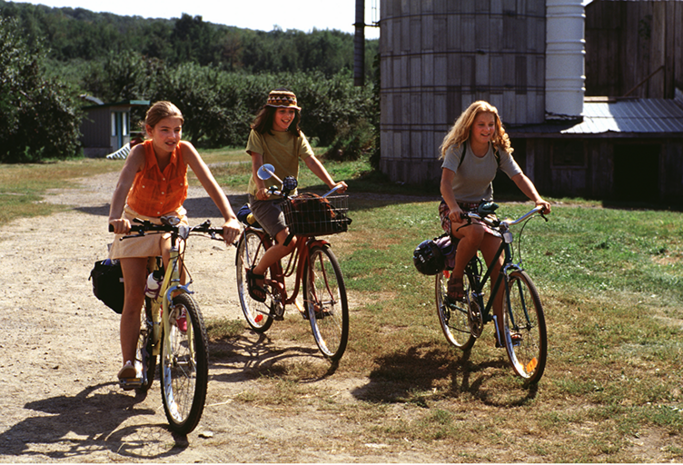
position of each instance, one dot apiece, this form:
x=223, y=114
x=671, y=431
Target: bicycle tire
x=526, y=338
x=145, y=360
x=453, y=316
x=250, y=249
x=326, y=303
x=184, y=367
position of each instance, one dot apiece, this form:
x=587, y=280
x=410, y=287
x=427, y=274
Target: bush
x=37, y=115
x=219, y=107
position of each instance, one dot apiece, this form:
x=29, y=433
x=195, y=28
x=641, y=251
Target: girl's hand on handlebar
x=231, y=230
x=262, y=194
x=120, y=225
x=455, y=216
x=341, y=187
x=545, y=205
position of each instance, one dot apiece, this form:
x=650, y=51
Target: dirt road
x=59, y=356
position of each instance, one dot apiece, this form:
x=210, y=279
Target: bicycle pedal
x=128, y=384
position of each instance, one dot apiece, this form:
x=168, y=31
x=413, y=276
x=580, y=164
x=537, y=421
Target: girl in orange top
x=152, y=184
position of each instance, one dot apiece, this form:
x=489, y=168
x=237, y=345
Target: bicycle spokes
x=326, y=304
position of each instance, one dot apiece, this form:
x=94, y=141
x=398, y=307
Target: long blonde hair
x=462, y=128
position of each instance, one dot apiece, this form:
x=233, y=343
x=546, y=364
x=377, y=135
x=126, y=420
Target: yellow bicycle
x=172, y=328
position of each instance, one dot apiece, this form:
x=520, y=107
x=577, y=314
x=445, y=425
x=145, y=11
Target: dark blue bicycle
x=523, y=329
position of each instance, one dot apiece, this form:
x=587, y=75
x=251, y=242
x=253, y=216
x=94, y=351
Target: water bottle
x=152, y=287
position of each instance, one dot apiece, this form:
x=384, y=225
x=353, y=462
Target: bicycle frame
x=297, y=259
x=170, y=287
x=503, y=231
x=507, y=266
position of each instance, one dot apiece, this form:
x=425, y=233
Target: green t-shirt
x=474, y=177
x=282, y=150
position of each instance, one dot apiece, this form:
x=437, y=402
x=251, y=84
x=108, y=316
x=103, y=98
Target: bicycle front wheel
x=249, y=252
x=184, y=365
x=453, y=315
x=525, y=335
x=326, y=303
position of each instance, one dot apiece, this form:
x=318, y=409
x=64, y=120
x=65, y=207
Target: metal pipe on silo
x=565, y=59
x=359, y=45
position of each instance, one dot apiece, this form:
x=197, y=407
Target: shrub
x=37, y=115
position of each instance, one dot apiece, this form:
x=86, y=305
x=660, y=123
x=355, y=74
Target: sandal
x=516, y=339
x=258, y=293
x=456, y=290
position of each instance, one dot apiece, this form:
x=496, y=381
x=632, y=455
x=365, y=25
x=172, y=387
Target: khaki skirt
x=149, y=245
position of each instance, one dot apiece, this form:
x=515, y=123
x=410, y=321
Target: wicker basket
x=311, y=215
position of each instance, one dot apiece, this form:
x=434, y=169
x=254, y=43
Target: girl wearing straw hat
x=275, y=138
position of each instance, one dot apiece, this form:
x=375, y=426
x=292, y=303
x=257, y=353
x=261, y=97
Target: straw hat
x=282, y=99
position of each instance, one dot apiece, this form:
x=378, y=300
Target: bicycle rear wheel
x=326, y=302
x=184, y=366
x=145, y=360
x=249, y=252
x=453, y=315
x=525, y=335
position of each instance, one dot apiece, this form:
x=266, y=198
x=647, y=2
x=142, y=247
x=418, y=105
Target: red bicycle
x=312, y=262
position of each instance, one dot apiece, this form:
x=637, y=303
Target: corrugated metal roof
x=629, y=116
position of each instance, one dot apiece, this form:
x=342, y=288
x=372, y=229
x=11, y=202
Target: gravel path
x=60, y=353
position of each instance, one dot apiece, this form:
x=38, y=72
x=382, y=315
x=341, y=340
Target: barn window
x=113, y=124
x=124, y=125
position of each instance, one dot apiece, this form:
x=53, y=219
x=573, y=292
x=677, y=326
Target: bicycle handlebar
x=504, y=223
x=143, y=226
x=272, y=190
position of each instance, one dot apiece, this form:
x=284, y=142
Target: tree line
x=219, y=76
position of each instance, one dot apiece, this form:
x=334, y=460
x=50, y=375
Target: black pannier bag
x=107, y=283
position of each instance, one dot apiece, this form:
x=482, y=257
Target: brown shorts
x=269, y=214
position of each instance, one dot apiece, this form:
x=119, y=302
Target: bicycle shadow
x=77, y=426
x=404, y=376
x=252, y=355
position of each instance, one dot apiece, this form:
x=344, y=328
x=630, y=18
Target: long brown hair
x=462, y=128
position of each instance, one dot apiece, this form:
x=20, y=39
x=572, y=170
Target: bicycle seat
x=487, y=208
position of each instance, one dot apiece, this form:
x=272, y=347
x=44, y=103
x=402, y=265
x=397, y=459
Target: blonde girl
x=472, y=152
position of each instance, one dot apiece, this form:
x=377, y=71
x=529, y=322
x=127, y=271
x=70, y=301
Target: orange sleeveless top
x=155, y=193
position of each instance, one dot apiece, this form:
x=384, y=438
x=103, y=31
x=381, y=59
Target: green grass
x=22, y=185
x=610, y=281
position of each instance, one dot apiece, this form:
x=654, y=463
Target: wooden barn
x=106, y=126
x=623, y=149
x=590, y=91
x=629, y=144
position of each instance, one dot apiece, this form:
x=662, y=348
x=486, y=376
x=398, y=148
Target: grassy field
x=611, y=281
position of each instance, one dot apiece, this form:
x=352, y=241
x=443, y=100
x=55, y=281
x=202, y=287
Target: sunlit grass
x=22, y=185
x=610, y=283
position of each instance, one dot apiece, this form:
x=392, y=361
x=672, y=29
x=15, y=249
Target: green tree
x=37, y=115
x=123, y=76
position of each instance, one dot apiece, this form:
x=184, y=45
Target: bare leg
x=134, y=277
x=489, y=247
x=276, y=252
x=470, y=240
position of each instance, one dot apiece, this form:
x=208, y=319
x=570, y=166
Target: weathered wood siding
x=585, y=167
x=628, y=41
x=438, y=56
